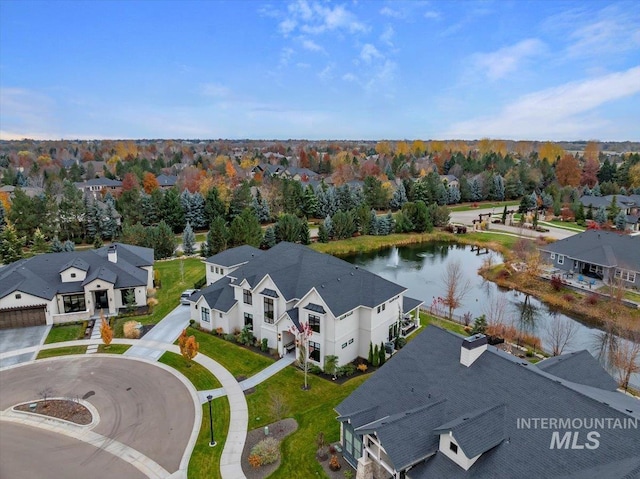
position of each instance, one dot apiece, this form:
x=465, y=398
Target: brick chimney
x=472, y=348
x=112, y=253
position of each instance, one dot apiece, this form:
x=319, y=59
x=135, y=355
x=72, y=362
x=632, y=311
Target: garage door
x=22, y=317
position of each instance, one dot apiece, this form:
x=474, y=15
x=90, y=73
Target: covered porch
x=410, y=321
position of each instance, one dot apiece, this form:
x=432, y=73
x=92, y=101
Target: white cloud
x=316, y=17
x=387, y=35
x=562, y=112
x=327, y=73
x=285, y=56
x=350, y=77
x=369, y=52
x=311, y=46
x=501, y=63
x=431, y=15
x=215, y=90
x=390, y=12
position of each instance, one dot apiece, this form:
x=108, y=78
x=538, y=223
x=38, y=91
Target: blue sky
x=539, y=70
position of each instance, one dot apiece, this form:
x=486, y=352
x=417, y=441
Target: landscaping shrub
x=592, y=299
x=334, y=464
x=362, y=367
x=267, y=451
x=556, y=282
x=254, y=460
x=230, y=337
x=315, y=369
x=400, y=343
x=349, y=369
x=131, y=330
x=219, y=331
x=264, y=345
x=503, y=274
x=376, y=356
x=569, y=298
x=200, y=283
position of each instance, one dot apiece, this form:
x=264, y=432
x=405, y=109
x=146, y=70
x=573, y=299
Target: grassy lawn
x=564, y=225
x=630, y=295
x=66, y=332
x=426, y=319
x=313, y=409
x=113, y=349
x=199, y=376
x=49, y=353
x=175, y=275
x=237, y=360
x=485, y=204
x=205, y=460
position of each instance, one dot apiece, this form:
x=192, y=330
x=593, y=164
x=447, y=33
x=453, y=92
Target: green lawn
x=66, y=332
x=175, y=275
x=237, y=360
x=426, y=319
x=49, y=353
x=199, y=376
x=564, y=225
x=205, y=460
x=483, y=238
x=484, y=205
x=312, y=409
x=113, y=348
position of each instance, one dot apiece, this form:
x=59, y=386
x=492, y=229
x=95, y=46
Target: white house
x=74, y=286
x=274, y=291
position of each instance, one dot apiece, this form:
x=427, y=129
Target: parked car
x=186, y=294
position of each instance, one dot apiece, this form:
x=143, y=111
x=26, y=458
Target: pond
x=421, y=267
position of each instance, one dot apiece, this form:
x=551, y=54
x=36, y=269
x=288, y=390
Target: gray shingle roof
x=429, y=369
x=409, y=304
x=78, y=263
x=219, y=295
x=40, y=275
x=235, y=256
x=293, y=314
x=296, y=269
x=269, y=292
x=477, y=432
x=316, y=308
x=579, y=367
x=600, y=247
x=167, y=180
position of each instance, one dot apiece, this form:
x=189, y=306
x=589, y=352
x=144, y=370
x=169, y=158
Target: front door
x=101, y=300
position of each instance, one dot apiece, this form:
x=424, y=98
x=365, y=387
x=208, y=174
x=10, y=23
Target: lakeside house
x=603, y=255
x=452, y=407
x=96, y=186
x=274, y=291
x=628, y=204
x=74, y=286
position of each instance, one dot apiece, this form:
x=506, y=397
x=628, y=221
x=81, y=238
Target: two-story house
x=274, y=291
x=74, y=286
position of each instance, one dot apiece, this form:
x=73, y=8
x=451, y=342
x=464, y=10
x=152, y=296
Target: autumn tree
x=568, y=171
x=456, y=286
x=189, y=347
x=106, y=332
x=590, y=173
x=550, y=151
x=592, y=150
x=149, y=182
x=626, y=360
x=383, y=148
x=561, y=332
x=130, y=182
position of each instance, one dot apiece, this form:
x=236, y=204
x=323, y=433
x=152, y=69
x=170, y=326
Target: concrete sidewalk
x=166, y=331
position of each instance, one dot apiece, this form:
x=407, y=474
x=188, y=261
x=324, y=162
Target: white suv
x=184, y=297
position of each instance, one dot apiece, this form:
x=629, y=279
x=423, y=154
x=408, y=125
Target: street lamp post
x=212, y=442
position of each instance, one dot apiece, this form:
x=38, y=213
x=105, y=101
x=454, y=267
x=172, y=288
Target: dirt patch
x=278, y=430
x=60, y=409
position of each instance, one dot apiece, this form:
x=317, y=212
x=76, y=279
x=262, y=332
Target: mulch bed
x=278, y=430
x=339, y=474
x=61, y=409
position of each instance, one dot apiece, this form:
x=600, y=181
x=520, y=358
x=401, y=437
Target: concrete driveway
x=166, y=331
x=140, y=405
x=18, y=338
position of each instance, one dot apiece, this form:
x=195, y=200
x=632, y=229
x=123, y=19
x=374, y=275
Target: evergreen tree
x=373, y=224
x=323, y=236
x=151, y=207
x=596, y=190
x=108, y=222
x=269, y=239
x=601, y=216
x=399, y=197
x=370, y=356
x=10, y=245
x=172, y=212
x=217, y=237
x=383, y=354
x=213, y=206
x=309, y=202
x=130, y=206
x=240, y=200
x=343, y=225
x=621, y=221
x=245, y=229
x=376, y=356
x=164, y=241
x=328, y=226
x=589, y=214
x=98, y=243
x=188, y=240
x=504, y=215
x=3, y=217
x=305, y=236
x=56, y=245
x=580, y=213
x=68, y=246
x=261, y=208
x=198, y=217
x=92, y=218
x=288, y=228
x=39, y=244
x=476, y=190
x=453, y=195
x=614, y=209
x=479, y=325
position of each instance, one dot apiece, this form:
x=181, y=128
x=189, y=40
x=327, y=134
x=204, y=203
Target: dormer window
x=454, y=447
x=73, y=275
x=18, y=296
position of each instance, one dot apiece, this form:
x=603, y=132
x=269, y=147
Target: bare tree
x=277, y=405
x=560, y=334
x=626, y=361
x=605, y=343
x=455, y=285
x=496, y=309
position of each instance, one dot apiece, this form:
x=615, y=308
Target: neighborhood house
x=603, y=255
x=74, y=286
x=453, y=407
x=272, y=292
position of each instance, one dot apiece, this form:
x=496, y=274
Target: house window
x=351, y=341
x=594, y=268
x=384, y=306
x=344, y=345
x=73, y=275
x=268, y=310
x=453, y=447
x=221, y=270
x=553, y=256
x=560, y=259
x=211, y=268
x=74, y=303
x=18, y=296
x=378, y=309
x=246, y=296
x=204, y=315
x=625, y=275
x=314, y=351
x=248, y=320
x=219, y=315
x=314, y=323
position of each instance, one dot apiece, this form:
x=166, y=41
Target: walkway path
x=231, y=459
x=166, y=331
